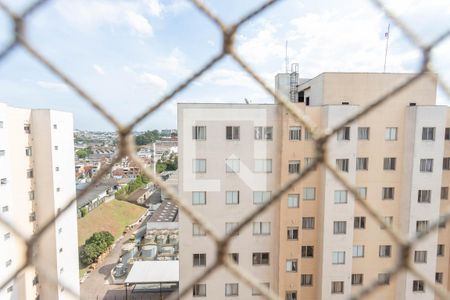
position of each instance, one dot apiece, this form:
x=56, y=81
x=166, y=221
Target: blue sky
x=127, y=53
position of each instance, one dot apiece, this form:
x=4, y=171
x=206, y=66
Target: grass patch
x=113, y=216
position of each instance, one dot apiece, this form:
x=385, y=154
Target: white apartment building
x=37, y=179
x=317, y=242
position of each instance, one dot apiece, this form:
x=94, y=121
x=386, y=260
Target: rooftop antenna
x=246, y=101
x=386, y=35
x=286, y=59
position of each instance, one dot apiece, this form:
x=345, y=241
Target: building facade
x=37, y=180
x=317, y=242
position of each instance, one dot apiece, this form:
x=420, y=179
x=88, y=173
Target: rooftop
x=154, y=271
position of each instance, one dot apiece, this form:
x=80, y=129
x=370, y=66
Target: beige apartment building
x=36, y=180
x=317, y=243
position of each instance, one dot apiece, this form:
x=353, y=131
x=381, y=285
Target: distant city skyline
x=128, y=54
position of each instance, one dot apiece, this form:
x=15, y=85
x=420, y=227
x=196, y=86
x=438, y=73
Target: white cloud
x=98, y=69
x=52, y=85
x=153, y=80
x=227, y=78
x=139, y=23
x=154, y=7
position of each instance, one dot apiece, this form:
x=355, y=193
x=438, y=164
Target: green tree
x=89, y=253
x=82, y=153
x=83, y=211
x=148, y=137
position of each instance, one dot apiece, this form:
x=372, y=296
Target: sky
x=127, y=54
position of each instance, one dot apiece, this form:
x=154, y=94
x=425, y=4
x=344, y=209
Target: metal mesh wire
x=320, y=137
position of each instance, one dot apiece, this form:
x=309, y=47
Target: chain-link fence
x=320, y=136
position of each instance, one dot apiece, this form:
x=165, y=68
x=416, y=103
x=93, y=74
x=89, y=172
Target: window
x=307, y=251
x=57, y=169
x=308, y=222
x=439, y=277
x=199, y=165
x=27, y=128
x=384, y=251
x=197, y=230
x=418, y=286
x=9, y=289
x=442, y=222
x=388, y=193
x=232, y=132
x=234, y=257
x=58, y=189
x=444, y=193
x=389, y=163
x=291, y=295
x=424, y=196
x=3, y=181
x=55, y=126
x=199, y=259
x=295, y=133
x=339, y=227
x=362, y=163
x=357, y=279
x=362, y=192
x=291, y=265
x=294, y=167
x=338, y=257
x=30, y=173
x=388, y=220
x=426, y=165
x=5, y=208
x=337, y=287
x=263, y=133
x=309, y=161
x=263, y=165
x=359, y=223
x=292, y=233
x=261, y=197
x=231, y=289
x=446, y=163
x=261, y=228
x=260, y=258
x=309, y=193
x=8, y=263
x=199, y=290
x=60, y=250
x=7, y=236
x=384, y=278
x=266, y=285
x=199, y=132
x=440, y=249
x=343, y=134
x=421, y=226
x=232, y=197
x=293, y=200
x=1, y=124
x=428, y=133
x=342, y=164
x=230, y=226
x=306, y=280
x=2, y=152
x=446, y=136
x=232, y=165
x=35, y=280
x=390, y=134
x=59, y=230
x=28, y=151
x=56, y=147
x=308, y=135
x=420, y=256
x=198, y=198
x=358, y=250
x=340, y=197
x=363, y=133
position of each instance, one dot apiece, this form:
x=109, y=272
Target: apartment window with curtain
x=358, y=250
x=291, y=295
x=308, y=222
x=199, y=133
x=232, y=197
x=255, y=292
x=28, y=151
x=199, y=259
x=261, y=197
x=340, y=197
x=384, y=251
x=231, y=289
x=27, y=128
x=309, y=193
x=198, y=198
x=339, y=227
x=440, y=250
x=292, y=233
x=261, y=228
x=420, y=257
x=447, y=134
x=199, y=290
x=230, y=226
x=418, y=286
x=428, y=133
x=309, y=162
x=362, y=192
x=337, y=287
x=307, y=251
x=390, y=134
x=295, y=133
x=197, y=230
x=291, y=265
x=293, y=200
x=343, y=134
x=263, y=133
x=263, y=165
x=389, y=163
x=421, y=226
x=342, y=164
x=338, y=257
x=362, y=163
x=424, y=196
x=232, y=165
x=426, y=165
x=308, y=135
x=294, y=167
x=444, y=193
x=388, y=193
x=306, y=280
x=232, y=132
x=363, y=133
x=384, y=278
x=357, y=279
x=387, y=222
x=359, y=223
x=446, y=164
x=199, y=165
x=260, y=258
x=439, y=277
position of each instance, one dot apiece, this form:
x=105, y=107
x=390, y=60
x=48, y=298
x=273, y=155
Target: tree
x=83, y=211
x=148, y=137
x=95, y=246
x=89, y=253
x=82, y=153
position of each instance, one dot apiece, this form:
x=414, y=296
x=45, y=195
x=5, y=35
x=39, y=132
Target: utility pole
x=386, y=35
